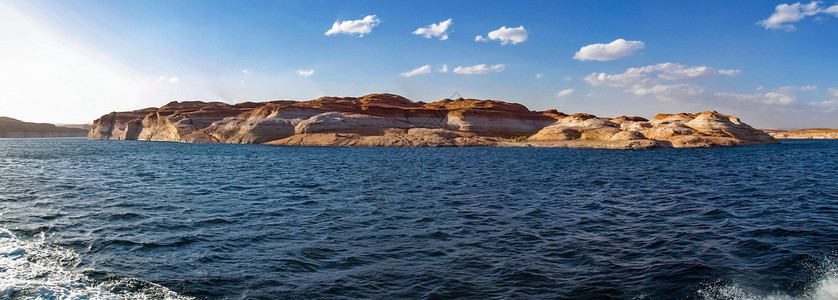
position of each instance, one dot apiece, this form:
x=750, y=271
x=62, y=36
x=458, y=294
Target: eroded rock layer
x=392, y=120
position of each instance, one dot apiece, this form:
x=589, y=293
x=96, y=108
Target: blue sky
x=772, y=63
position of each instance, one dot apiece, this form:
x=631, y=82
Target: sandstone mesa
x=394, y=121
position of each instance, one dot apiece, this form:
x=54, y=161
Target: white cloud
x=730, y=72
x=426, y=69
x=305, y=73
x=785, y=14
x=786, y=95
x=439, y=30
x=673, y=71
x=479, y=69
x=359, y=27
x=168, y=79
x=604, y=52
x=565, y=92
x=246, y=71
x=506, y=35
x=538, y=76
x=669, y=71
x=669, y=92
x=641, y=81
x=443, y=69
x=567, y=78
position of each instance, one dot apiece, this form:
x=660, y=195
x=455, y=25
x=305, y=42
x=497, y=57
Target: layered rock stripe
x=392, y=120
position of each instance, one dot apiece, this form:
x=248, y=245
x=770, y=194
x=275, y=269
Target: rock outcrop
x=13, y=128
x=392, y=120
x=809, y=133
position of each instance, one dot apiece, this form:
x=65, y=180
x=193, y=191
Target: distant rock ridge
x=808, y=133
x=392, y=120
x=13, y=128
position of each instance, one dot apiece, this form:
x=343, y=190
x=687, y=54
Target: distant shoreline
x=805, y=133
x=13, y=128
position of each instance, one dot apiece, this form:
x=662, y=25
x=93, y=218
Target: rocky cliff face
x=392, y=120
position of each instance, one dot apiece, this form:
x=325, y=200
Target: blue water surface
x=262, y=222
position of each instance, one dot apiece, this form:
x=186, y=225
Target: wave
x=823, y=286
x=35, y=269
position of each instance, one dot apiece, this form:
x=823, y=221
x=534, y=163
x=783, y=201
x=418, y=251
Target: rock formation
x=13, y=128
x=392, y=120
x=809, y=133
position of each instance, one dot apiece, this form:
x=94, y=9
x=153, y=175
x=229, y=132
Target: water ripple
x=256, y=222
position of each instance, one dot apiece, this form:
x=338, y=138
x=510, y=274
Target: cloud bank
x=666, y=82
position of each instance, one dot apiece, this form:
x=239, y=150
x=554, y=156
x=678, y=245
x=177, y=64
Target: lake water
x=108, y=219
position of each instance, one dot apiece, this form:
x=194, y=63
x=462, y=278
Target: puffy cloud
x=443, y=69
x=604, y=52
x=439, y=30
x=479, y=69
x=305, y=73
x=785, y=14
x=359, y=27
x=246, y=71
x=565, y=92
x=506, y=35
x=426, y=69
x=539, y=76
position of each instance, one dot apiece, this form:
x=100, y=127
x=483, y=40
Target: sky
x=774, y=64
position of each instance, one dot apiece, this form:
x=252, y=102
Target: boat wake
x=34, y=269
x=823, y=286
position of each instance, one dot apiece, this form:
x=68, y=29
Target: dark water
x=108, y=219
